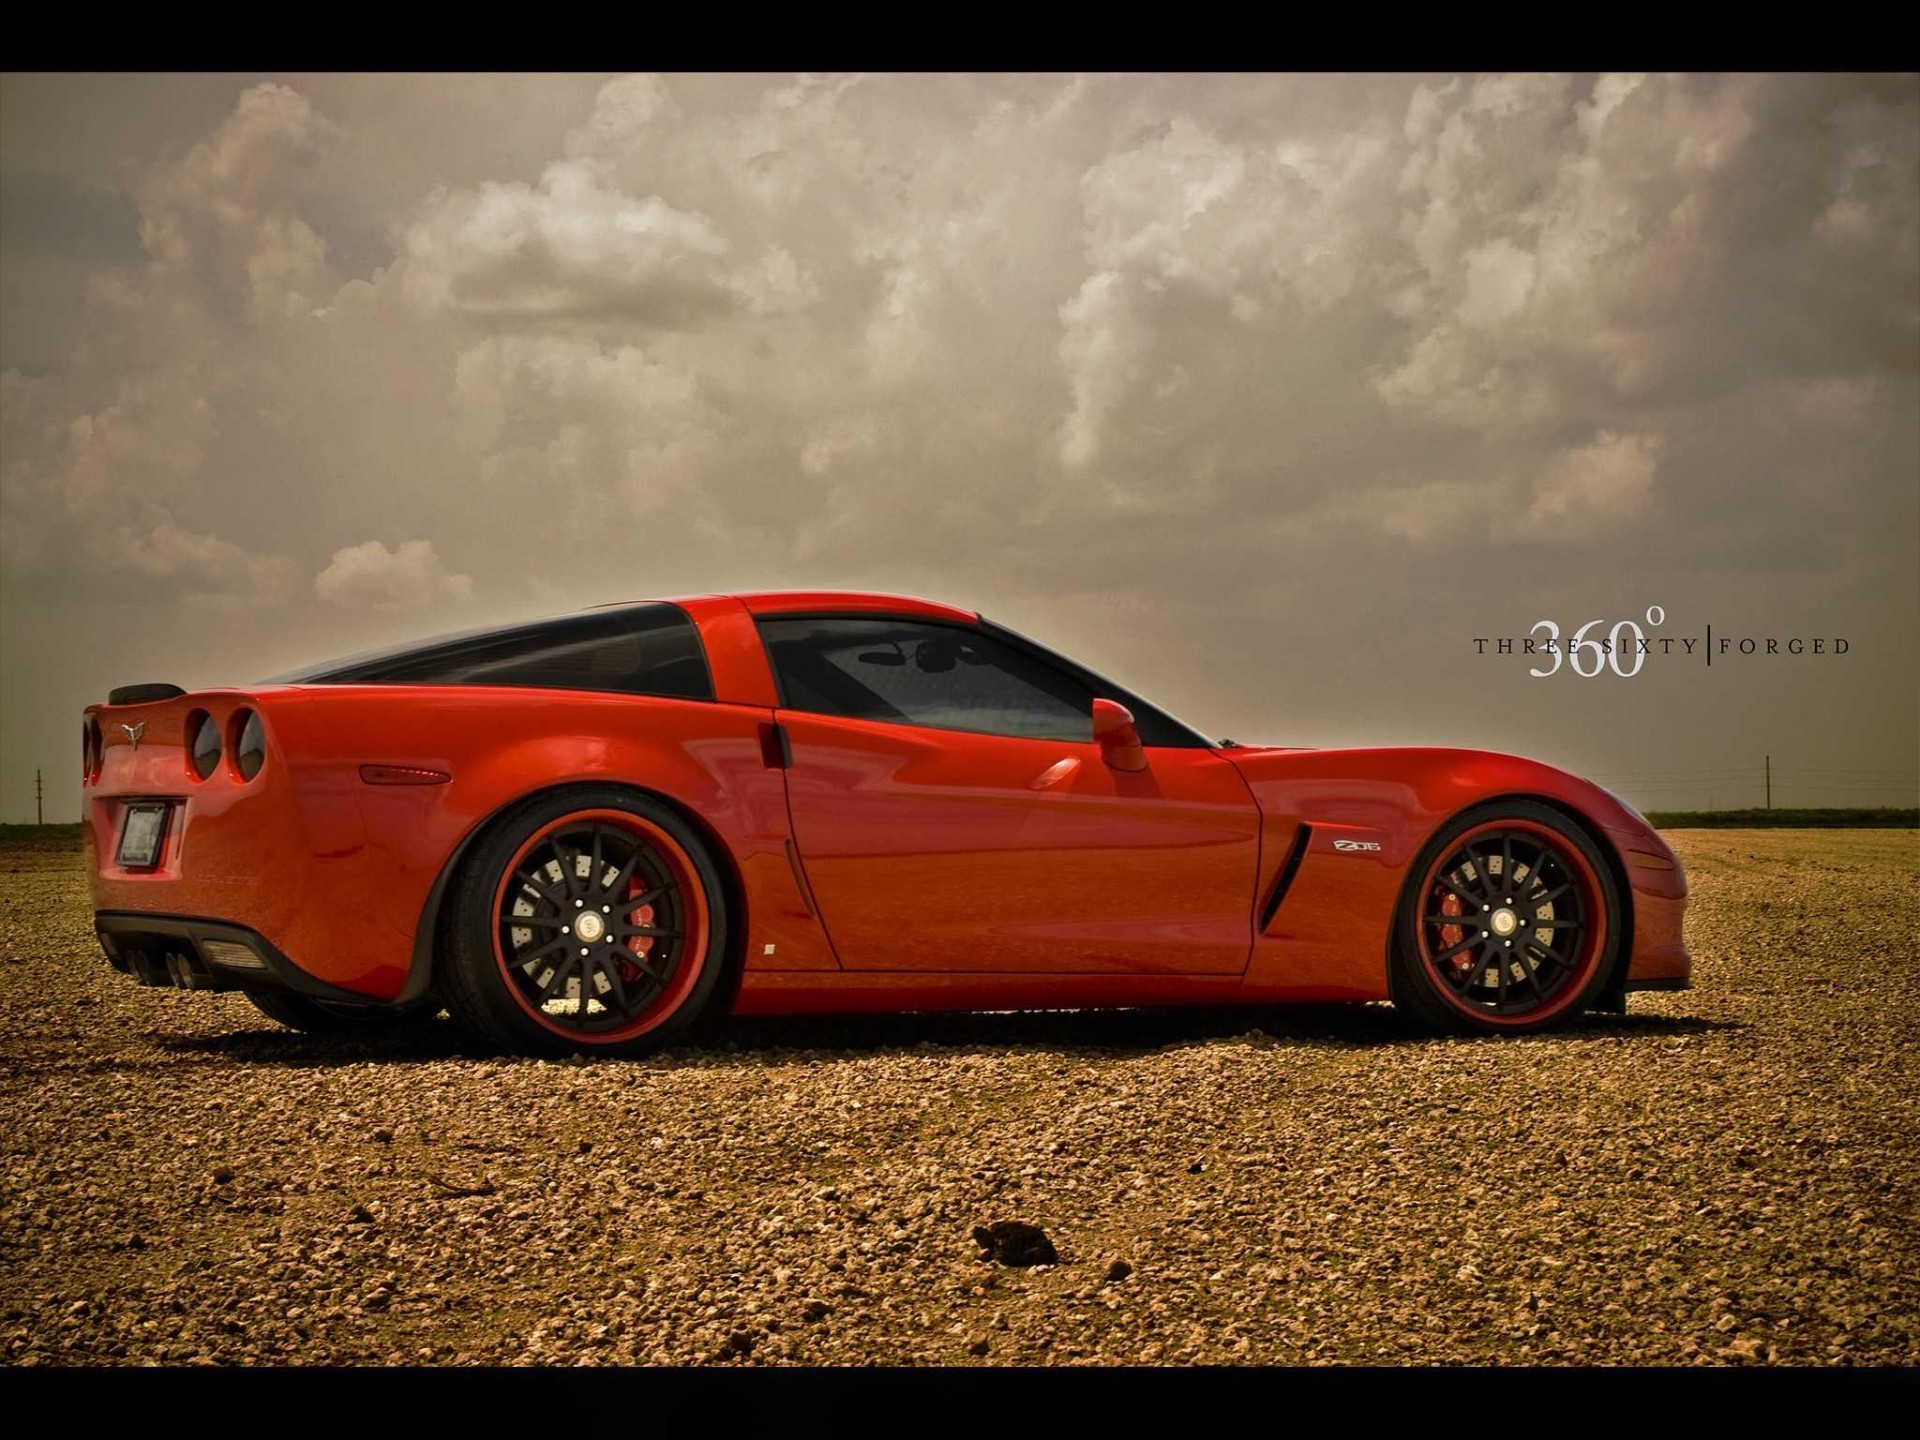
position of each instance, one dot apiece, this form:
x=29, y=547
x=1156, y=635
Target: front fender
x=1370, y=812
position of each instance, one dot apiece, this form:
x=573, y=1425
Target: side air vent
x=1289, y=867
x=142, y=694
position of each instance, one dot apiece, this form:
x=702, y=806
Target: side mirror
x=1114, y=733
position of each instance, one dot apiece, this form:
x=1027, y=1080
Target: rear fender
x=432, y=914
x=708, y=765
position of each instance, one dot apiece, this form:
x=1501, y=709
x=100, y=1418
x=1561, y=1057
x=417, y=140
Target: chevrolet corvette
x=590, y=833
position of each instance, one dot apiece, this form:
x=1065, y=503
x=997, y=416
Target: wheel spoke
x=1463, y=896
x=640, y=961
x=619, y=989
x=569, y=867
x=1480, y=872
x=533, y=922
x=1451, y=951
x=557, y=979
x=1506, y=865
x=1531, y=859
x=527, y=957
x=625, y=873
x=1547, y=954
x=1479, y=969
x=593, y=867
x=543, y=891
x=588, y=965
x=647, y=932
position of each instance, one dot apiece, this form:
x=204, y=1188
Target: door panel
x=937, y=850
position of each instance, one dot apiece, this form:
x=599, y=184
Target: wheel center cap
x=589, y=926
x=1505, y=922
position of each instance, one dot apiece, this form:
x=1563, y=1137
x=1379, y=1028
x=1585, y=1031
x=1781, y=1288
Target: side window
x=942, y=676
x=649, y=649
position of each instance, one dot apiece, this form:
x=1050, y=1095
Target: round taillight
x=206, y=744
x=250, y=748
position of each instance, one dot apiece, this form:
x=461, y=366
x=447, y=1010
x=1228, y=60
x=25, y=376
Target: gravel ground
x=1724, y=1176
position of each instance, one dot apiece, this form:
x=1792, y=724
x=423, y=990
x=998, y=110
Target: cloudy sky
x=1266, y=395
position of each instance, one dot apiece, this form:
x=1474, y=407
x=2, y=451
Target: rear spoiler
x=143, y=694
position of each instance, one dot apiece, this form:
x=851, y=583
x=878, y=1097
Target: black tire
x=488, y=976
x=321, y=1017
x=1550, y=988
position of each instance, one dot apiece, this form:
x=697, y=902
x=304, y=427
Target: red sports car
x=587, y=833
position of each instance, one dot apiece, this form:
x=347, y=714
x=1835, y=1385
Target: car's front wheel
x=1512, y=923
x=590, y=920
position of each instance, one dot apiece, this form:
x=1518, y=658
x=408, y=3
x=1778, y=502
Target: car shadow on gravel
x=1069, y=1032
x=1141, y=1031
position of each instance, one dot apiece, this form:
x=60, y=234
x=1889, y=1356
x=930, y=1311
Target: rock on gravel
x=1725, y=1176
x=1013, y=1242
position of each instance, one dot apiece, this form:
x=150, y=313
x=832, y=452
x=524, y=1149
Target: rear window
x=651, y=649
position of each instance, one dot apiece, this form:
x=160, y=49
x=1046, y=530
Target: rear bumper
x=198, y=954
x=268, y=860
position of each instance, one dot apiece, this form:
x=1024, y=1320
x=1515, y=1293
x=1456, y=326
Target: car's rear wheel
x=588, y=920
x=322, y=1017
x=1511, y=924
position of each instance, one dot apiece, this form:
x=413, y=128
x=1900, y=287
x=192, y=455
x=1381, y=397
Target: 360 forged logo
x=1623, y=647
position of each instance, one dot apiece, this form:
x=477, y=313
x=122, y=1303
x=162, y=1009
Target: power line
x=1749, y=770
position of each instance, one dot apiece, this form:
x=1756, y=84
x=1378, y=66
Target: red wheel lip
x=1594, y=945
x=692, y=963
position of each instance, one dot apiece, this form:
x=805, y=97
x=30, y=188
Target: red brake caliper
x=641, y=945
x=1452, y=935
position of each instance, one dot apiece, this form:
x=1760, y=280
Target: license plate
x=141, y=832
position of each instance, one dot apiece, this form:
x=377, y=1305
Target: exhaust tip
x=146, y=969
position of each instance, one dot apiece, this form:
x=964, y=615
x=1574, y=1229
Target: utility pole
x=1769, y=782
x=39, y=813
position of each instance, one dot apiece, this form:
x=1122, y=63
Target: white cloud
x=204, y=563
x=1605, y=483
x=570, y=247
x=222, y=220
x=621, y=113
x=834, y=444
x=1200, y=250
x=409, y=576
x=577, y=248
